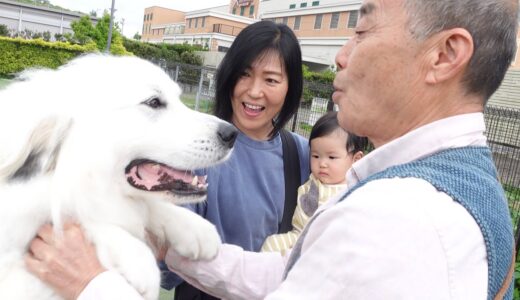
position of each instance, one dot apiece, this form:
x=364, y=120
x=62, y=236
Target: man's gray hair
x=493, y=24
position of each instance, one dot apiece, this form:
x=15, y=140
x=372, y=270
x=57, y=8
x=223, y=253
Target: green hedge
x=18, y=54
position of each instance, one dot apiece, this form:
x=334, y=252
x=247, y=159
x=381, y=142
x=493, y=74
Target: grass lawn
x=3, y=82
x=166, y=295
x=204, y=104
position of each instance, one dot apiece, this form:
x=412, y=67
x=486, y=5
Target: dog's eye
x=155, y=103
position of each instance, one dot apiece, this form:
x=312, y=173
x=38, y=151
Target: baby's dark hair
x=328, y=123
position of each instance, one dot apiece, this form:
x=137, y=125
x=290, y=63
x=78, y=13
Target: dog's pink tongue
x=159, y=173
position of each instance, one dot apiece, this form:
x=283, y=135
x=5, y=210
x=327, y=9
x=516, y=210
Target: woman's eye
x=154, y=103
x=271, y=80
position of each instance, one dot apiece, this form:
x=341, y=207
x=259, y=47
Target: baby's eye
x=315, y=156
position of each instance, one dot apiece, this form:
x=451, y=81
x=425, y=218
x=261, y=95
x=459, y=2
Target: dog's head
x=109, y=121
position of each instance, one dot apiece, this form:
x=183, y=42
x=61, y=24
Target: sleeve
x=389, y=240
x=281, y=242
x=107, y=286
x=233, y=274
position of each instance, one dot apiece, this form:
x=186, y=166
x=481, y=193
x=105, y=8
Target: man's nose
x=343, y=55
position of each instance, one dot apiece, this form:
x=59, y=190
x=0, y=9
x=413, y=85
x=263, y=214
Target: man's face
x=379, y=72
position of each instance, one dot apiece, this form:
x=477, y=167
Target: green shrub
x=516, y=280
x=18, y=54
x=4, y=31
x=317, y=84
x=169, y=54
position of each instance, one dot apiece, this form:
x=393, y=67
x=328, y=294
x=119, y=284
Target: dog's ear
x=34, y=151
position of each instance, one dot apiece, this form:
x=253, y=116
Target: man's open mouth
x=148, y=175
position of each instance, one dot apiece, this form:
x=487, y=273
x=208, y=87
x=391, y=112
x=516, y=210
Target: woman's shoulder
x=301, y=140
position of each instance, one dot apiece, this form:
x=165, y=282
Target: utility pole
x=109, y=40
x=122, y=25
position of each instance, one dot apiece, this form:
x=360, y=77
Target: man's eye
x=155, y=103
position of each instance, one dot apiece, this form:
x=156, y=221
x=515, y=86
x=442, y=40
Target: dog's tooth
x=195, y=181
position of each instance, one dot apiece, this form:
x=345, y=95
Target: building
x=322, y=26
x=20, y=17
x=158, y=21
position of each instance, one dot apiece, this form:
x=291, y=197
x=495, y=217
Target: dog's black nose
x=227, y=134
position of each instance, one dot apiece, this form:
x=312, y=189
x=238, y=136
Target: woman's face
x=259, y=95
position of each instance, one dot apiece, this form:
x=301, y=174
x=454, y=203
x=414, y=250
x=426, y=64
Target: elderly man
x=425, y=216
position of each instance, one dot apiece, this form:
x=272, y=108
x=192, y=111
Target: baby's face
x=329, y=158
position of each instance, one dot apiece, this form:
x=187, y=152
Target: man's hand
x=66, y=263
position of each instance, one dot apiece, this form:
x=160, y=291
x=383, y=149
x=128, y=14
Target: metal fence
x=503, y=124
x=503, y=133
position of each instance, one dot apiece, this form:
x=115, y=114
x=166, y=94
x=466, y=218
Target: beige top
x=311, y=194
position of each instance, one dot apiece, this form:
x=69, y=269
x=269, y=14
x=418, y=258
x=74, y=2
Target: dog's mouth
x=152, y=176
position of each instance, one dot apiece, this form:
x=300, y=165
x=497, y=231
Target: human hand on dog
x=66, y=263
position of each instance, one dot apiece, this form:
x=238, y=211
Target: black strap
x=292, y=175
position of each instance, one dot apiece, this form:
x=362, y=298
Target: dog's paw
x=119, y=251
x=199, y=240
x=143, y=274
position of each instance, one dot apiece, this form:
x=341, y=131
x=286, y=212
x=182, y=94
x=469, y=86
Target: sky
x=132, y=11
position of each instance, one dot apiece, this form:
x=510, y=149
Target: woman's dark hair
x=252, y=42
x=328, y=123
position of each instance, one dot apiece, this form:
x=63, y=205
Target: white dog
x=106, y=142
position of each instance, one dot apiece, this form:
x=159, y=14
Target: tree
x=93, y=13
x=84, y=31
x=137, y=36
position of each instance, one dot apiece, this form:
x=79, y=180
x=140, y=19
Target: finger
x=34, y=265
x=46, y=234
x=39, y=249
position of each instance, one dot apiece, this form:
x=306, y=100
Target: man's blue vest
x=469, y=177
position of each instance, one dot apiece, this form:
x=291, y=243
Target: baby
x=333, y=151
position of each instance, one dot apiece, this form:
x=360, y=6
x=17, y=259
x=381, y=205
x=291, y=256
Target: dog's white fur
x=80, y=127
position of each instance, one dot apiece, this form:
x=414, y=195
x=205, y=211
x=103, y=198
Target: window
x=189, y=23
x=144, y=18
x=251, y=10
x=317, y=21
x=315, y=3
x=151, y=16
x=352, y=19
x=222, y=49
x=304, y=4
x=196, y=22
x=242, y=10
x=292, y=6
x=297, y=21
x=334, y=20
x=234, y=10
x=203, y=22
x=284, y=20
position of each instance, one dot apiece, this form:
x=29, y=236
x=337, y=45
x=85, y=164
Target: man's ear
x=357, y=156
x=450, y=54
